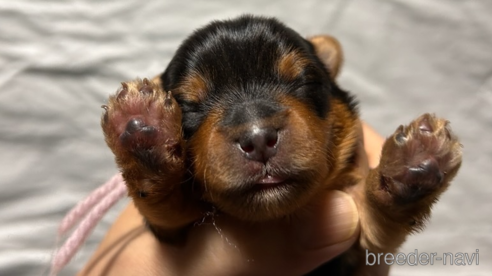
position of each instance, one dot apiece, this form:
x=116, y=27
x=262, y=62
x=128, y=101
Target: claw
x=447, y=129
x=123, y=90
x=400, y=138
x=146, y=87
x=424, y=125
x=124, y=85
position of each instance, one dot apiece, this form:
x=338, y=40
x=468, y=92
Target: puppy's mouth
x=270, y=181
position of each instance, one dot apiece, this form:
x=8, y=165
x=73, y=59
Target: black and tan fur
x=248, y=119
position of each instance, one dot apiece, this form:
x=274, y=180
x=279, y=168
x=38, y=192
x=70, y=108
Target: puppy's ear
x=329, y=51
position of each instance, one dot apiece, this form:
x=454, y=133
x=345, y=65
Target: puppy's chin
x=264, y=201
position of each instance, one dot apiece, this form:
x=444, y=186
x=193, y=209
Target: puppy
x=248, y=120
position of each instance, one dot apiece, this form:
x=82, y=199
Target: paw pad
x=420, y=160
x=141, y=117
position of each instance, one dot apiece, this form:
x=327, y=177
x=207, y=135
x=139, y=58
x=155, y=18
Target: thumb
x=329, y=228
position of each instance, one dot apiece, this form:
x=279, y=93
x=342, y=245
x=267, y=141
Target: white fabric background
x=59, y=60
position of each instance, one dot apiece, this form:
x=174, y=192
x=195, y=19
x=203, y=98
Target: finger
x=328, y=229
x=373, y=142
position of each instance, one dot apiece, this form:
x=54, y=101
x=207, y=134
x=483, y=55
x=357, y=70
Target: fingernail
x=333, y=220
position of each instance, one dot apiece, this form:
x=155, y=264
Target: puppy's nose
x=259, y=144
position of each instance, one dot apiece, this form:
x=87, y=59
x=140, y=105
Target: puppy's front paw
x=418, y=162
x=142, y=126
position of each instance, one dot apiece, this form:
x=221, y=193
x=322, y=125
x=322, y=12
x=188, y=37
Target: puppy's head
x=255, y=98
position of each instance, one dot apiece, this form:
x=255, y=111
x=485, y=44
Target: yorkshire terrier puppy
x=248, y=119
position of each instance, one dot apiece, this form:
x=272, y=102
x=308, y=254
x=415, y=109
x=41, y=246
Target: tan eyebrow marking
x=291, y=65
x=193, y=88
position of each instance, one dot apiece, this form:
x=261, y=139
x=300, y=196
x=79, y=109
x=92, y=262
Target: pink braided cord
x=85, y=205
x=102, y=204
